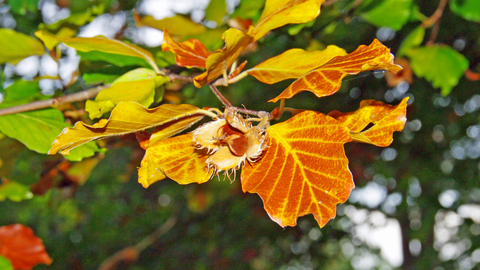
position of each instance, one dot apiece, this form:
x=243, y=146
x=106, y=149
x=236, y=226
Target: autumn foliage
x=298, y=166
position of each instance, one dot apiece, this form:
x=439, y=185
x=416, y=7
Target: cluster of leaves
x=297, y=167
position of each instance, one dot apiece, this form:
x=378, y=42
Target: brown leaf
x=304, y=170
x=22, y=247
x=326, y=80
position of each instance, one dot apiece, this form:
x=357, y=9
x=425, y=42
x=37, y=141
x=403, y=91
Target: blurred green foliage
x=428, y=177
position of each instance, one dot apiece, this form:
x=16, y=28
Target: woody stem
x=219, y=95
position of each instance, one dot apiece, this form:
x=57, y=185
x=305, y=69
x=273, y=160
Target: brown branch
x=130, y=254
x=219, y=95
x=436, y=15
x=42, y=104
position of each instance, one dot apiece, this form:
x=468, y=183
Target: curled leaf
x=220, y=60
x=127, y=117
x=190, y=53
x=385, y=118
x=281, y=12
x=303, y=171
x=326, y=79
x=176, y=158
x=22, y=247
x=293, y=64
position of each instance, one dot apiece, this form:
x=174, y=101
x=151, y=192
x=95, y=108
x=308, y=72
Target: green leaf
x=21, y=92
x=414, y=39
x=22, y=6
x=439, y=64
x=17, y=46
x=38, y=129
x=5, y=264
x=15, y=192
x=98, y=78
x=387, y=13
x=467, y=9
x=115, y=59
x=137, y=85
x=216, y=11
x=249, y=9
x=78, y=19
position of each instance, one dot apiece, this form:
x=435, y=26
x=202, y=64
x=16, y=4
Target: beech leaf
x=304, y=170
x=22, y=247
x=102, y=44
x=126, y=117
x=137, y=85
x=440, y=64
x=177, y=25
x=176, y=158
x=293, y=64
x=387, y=13
x=385, y=118
x=326, y=80
x=220, y=60
x=468, y=9
x=281, y=12
x=17, y=46
x=190, y=53
x=14, y=191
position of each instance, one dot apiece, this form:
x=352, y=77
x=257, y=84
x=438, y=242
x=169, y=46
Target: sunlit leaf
x=22, y=247
x=468, y=9
x=414, y=39
x=440, y=64
x=293, y=64
x=38, y=129
x=304, y=170
x=326, y=80
x=216, y=11
x=98, y=78
x=385, y=119
x=219, y=61
x=17, y=46
x=176, y=158
x=176, y=25
x=137, y=85
x=127, y=117
x=280, y=12
x=387, y=13
x=14, y=191
x=190, y=53
x=102, y=44
x=165, y=131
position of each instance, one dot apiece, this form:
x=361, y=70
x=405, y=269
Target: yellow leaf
x=16, y=46
x=293, y=64
x=167, y=130
x=178, y=159
x=176, y=25
x=220, y=60
x=326, y=79
x=137, y=85
x=127, y=117
x=281, y=12
x=303, y=171
x=385, y=118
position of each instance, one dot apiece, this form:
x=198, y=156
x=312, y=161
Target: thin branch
x=436, y=15
x=42, y=104
x=219, y=95
x=176, y=77
x=130, y=253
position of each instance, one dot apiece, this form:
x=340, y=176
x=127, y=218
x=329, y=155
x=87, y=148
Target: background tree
x=416, y=203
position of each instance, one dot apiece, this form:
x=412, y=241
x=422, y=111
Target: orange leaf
x=326, y=80
x=386, y=119
x=126, y=117
x=220, y=60
x=190, y=53
x=304, y=170
x=281, y=12
x=293, y=64
x=22, y=247
x=176, y=158
x=237, y=71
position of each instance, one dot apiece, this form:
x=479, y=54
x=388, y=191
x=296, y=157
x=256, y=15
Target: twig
x=130, y=254
x=434, y=20
x=176, y=77
x=42, y=104
x=219, y=95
